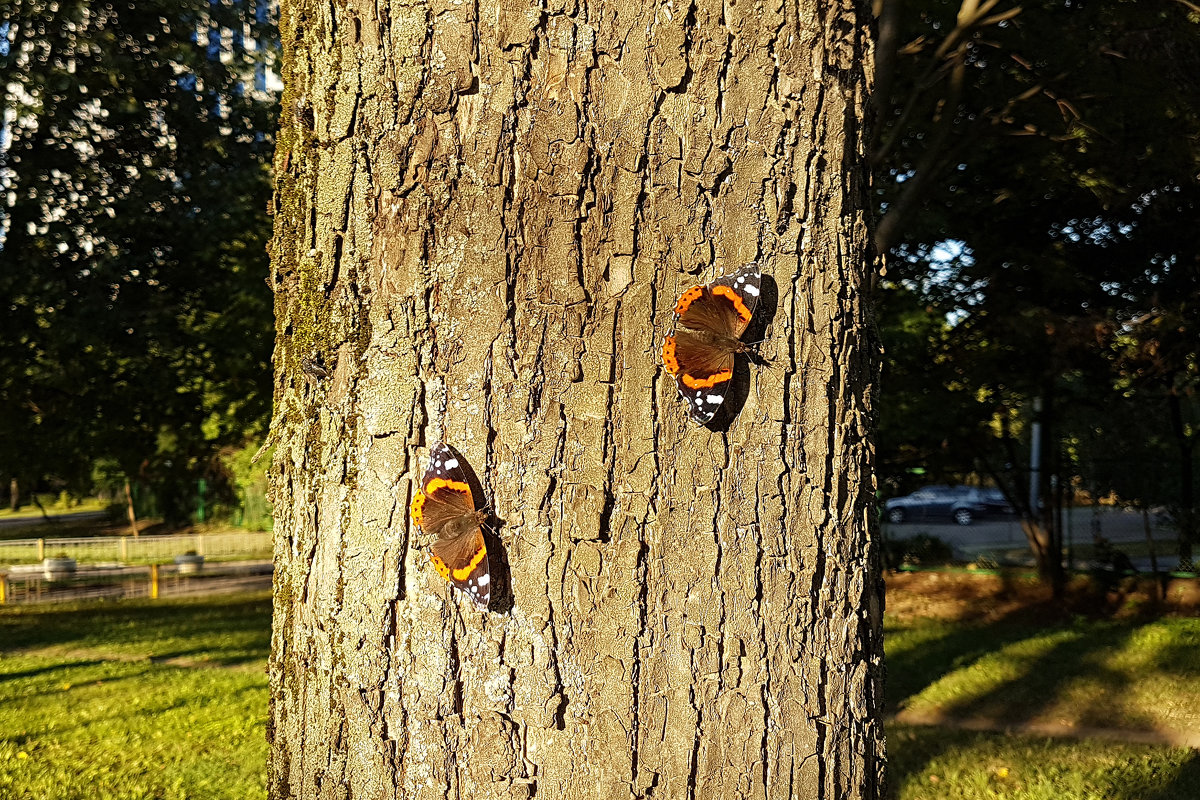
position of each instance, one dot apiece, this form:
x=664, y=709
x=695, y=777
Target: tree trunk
x=1186, y=519
x=484, y=218
x=1039, y=518
x=130, y=513
x=1159, y=578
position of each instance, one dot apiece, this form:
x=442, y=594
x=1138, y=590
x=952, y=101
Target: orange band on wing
x=417, y=509
x=454, y=486
x=462, y=574
x=687, y=298
x=733, y=296
x=706, y=383
x=668, y=354
x=465, y=572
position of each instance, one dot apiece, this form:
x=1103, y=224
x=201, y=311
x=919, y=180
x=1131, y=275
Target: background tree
x=1158, y=362
x=485, y=217
x=1038, y=172
x=135, y=177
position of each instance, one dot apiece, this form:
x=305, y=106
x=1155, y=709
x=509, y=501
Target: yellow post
x=3, y=588
x=154, y=581
x=41, y=549
x=124, y=550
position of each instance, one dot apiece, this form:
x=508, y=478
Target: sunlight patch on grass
x=1141, y=676
x=935, y=764
x=97, y=706
x=1001, y=671
x=54, y=507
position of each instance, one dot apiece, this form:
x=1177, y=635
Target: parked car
x=961, y=504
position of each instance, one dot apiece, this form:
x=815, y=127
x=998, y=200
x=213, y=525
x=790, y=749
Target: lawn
x=936, y=764
x=54, y=506
x=168, y=699
x=1083, y=673
x=135, y=699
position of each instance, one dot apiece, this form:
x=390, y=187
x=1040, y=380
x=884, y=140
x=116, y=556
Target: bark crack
x=641, y=576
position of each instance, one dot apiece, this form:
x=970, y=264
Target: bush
x=250, y=481
x=920, y=550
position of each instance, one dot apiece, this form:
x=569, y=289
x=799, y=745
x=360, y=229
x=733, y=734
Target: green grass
x=59, y=527
x=54, y=506
x=1136, y=675
x=142, y=699
x=168, y=699
x=938, y=764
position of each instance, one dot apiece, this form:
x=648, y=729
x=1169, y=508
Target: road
x=1004, y=534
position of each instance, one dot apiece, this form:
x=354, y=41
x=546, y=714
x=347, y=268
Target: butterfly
x=445, y=507
x=705, y=336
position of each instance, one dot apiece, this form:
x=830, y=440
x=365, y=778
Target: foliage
x=238, y=486
x=249, y=476
x=1040, y=172
x=920, y=549
x=135, y=177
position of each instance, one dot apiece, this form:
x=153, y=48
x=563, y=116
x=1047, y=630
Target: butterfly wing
x=463, y=561
x=746, y=285
x=445, y=507
x=696, y=351
x=445, y=493
x=702, y=371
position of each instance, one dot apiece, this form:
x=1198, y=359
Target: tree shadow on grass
x=238, y=625
x=1037, y=669
x=1184, y=783
x=1065, y=670
x=77, y=682
x=926, y=661
x=49, y=669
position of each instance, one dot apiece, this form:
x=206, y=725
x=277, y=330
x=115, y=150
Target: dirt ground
x=961, y=595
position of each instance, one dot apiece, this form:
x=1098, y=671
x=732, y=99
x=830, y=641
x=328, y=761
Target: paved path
x=1115, y=524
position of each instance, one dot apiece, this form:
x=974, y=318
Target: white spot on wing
x=451, y=463
x=750, y=290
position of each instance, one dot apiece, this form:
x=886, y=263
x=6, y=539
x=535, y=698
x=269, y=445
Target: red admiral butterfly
x=445, y=507
x=705, y=336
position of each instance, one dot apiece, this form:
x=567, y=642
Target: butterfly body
x=706, y=335
x=445, y=507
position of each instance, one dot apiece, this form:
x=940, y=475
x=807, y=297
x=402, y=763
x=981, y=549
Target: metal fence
x=138, y=549
x=29, y=585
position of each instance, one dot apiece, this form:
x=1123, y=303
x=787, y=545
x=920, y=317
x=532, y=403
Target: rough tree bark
x=484, y=216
